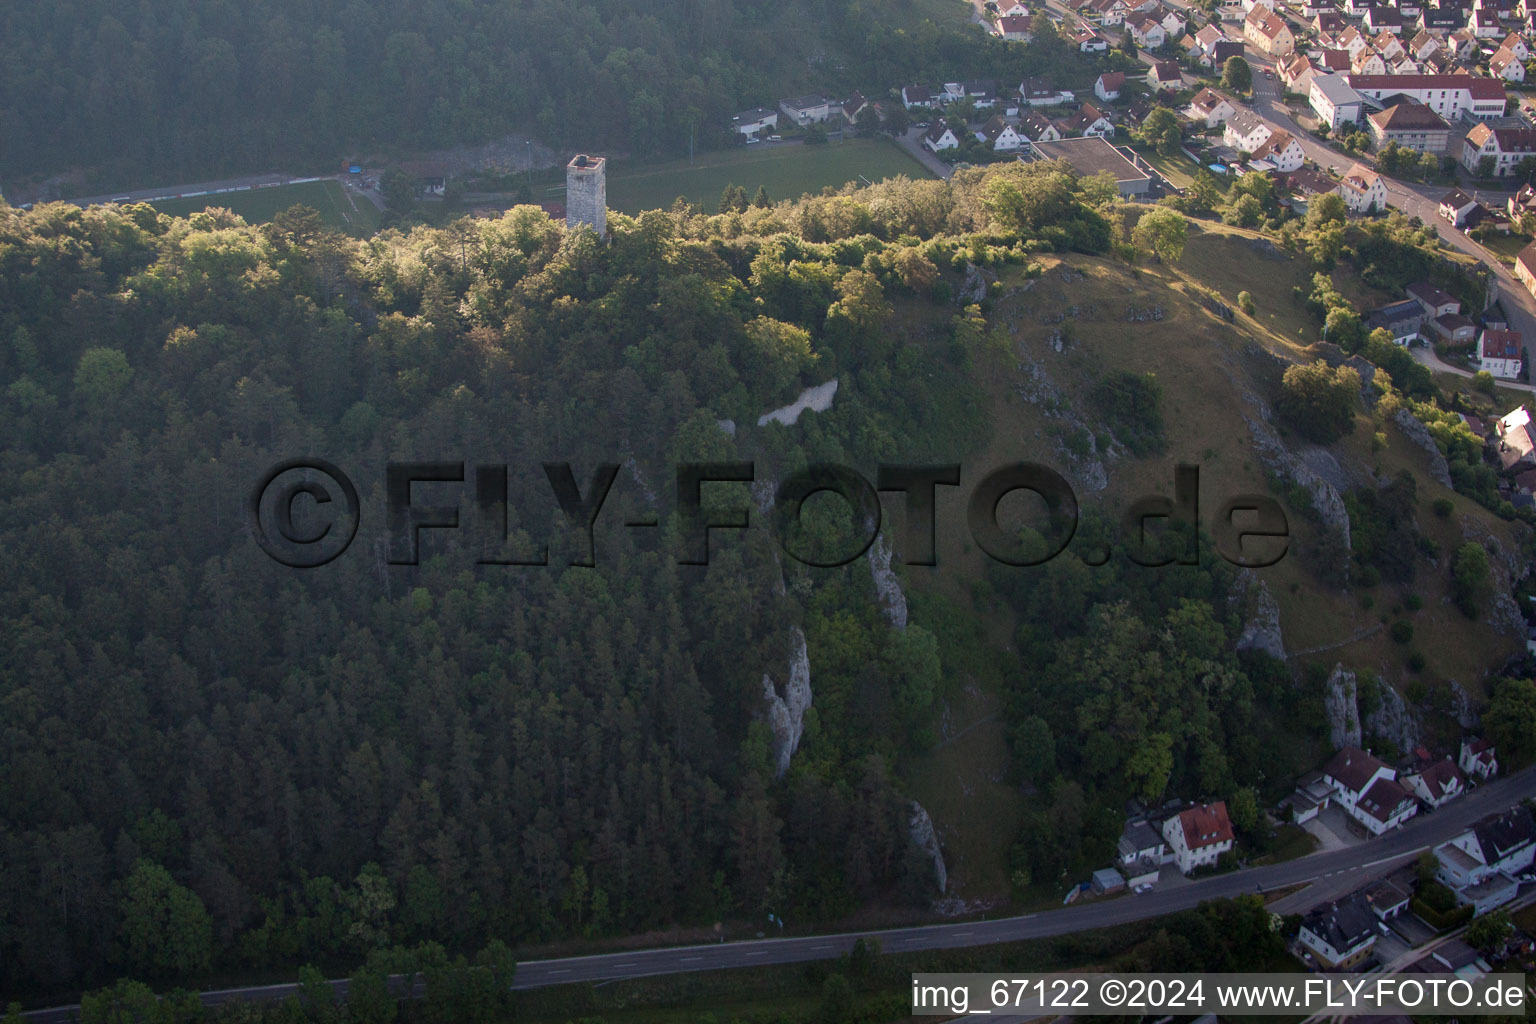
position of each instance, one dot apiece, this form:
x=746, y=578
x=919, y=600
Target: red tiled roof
x=1206, y=825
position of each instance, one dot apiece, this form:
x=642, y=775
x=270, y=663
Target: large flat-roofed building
x=1092, y=155
x=1447, y=95
x=1334, y=100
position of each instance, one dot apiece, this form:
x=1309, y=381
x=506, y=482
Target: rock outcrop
x=816, y=399
x=1462, y=708
x=1281, y=461
x=920, y=827
x=887, y=585
x=1261, y=615
x=1341, y=700
x=1416, y=432
x=786, y=711
x=1505, y=569
x=1393, y=720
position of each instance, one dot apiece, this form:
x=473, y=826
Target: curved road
x=1365, y=862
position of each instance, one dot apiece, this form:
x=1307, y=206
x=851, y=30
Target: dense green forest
x=197, y=87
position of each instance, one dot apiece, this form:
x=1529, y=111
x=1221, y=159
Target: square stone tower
x=586, y=193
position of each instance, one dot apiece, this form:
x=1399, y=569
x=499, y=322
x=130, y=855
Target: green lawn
x=1506, y=247
x=786, y=171
x=258, y=205
x=1178, y=169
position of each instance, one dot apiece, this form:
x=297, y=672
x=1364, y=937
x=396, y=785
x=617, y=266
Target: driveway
x=912, y=142
x=1332, y=829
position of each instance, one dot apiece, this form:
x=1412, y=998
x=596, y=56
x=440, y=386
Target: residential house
x=1388, y=45
x=1435, y=782
x=1479, y=864
x=1198, y=836
x=1478, y=757
x=1141, y=852
x=1353, y=41
x=1447, y=95
x=1205, y=44
x=921, y=96
x=1411, y=125
x=1454, y=329
x=1036, y=127
x=1525, y=267
x=1522, y=202
x=1357, y=8
x=1462, y=44
x=1504, y=64
x=1400, y=319
x=1515, y=44
x=1331, y=61
x=854, y=105
x=941, y=137
x=1173, y=22
x=1108, y=85
x=1297, y=73
x=1504, y=148
x=1307, y=182
x=1483, y=215
x=1108, y=13
x=1455, y=206
x=1089, y=120
x=1334, y=101
x=1010, y=7
x=1368, y=790
x=1340, y=934
x=1225, y=51
x=808, y=110
x=1368, y=62
x=1147, y=31
x=1423, y=45
x=1404, y=65
x=1210, y=108
x=1383, y=18
x=1282, y=151
x=1268, y=32
x=1089, y=41
x=751, y=122
x=1165, y=75
x=1329, y=21
x=1434, y=300
x=1485, y=24
x=1514, y=442
x=1443, y=19
x=1001, y=136
x=1246, y=131
x=1018, y=28
x=1363, y=190
x=1501, y=353
x=1042, y=92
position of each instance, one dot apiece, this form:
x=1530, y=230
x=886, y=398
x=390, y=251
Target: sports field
x=787, y=171
x=259, y=205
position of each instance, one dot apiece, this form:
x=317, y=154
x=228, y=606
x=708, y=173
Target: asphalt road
x=1365, y=862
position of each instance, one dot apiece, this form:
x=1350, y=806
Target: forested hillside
x=212, y=762
x=197, y=87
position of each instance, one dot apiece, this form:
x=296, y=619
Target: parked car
x=1143, y=887
x=753, y=140
x=775, y=138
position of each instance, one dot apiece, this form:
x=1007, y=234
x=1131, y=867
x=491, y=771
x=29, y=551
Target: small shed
x=1108, y=880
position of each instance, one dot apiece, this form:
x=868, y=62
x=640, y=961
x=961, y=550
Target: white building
x=1368, y=790
x=758, y=119
x=1505, y=147
x=808, y=110
x=1480, y=864
x=1478, y=757
x=1363, y=190
x=1198, y=836
x=1282, y=151
x=1436, y=783
x=1334, y=101
x=1501, y=353
x=1246, y=131
x=1447, y=95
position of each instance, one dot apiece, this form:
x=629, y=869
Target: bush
x=1413, y=602
x=1319, y=400
x=1444, y=507
x=1245, y=302
x=1402, y=631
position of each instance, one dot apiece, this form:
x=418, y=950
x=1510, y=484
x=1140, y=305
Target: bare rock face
x=1394, y=720
x=887, y=585
x=1341, y=700
x=1416, y=432
x=1038, y=388
x=920, y=827
x=1463, y=708
x=974, y=288
x=1503, y=614
x=1283, y=462
x=786, y=711
x=1261, y=615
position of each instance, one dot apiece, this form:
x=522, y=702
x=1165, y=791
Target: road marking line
x=756, y=952
x=630, y=964
x=690, y=959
